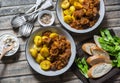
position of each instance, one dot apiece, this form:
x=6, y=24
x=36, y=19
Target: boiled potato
x=37, y=47
x=49, y=58
x=38, y=40
x=72, y=9
x=33, y=52
x=65, y=4
x=68, y=19
x=81, y=1
x=39, y=58
x=53, y=35
x=77, y=5
x=72, y=1
x=67, y=12
x=45, y=65
x=44, y=37
x=44, y=51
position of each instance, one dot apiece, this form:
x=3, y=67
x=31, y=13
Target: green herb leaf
x=82, y=65
x=111, y=44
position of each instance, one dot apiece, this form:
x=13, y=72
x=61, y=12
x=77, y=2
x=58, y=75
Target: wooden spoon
x=5, y=50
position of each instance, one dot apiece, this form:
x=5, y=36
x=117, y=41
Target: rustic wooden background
x=15, y=69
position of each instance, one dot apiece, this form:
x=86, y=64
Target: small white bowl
x=6, y=36
x=49, y=13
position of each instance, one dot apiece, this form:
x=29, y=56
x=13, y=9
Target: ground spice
x=45, y=18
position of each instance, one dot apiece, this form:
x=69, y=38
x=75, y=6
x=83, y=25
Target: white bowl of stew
x=36, y=66
x=78, y=28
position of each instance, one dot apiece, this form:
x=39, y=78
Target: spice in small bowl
x=46, y=18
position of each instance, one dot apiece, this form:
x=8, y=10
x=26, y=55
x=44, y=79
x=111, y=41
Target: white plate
x=35, y=65
x=60, y=18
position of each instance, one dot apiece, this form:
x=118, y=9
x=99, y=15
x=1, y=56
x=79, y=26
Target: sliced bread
x=87, y=46
x=99, y=70
x=93, y=60
x=96, y=37
x=98, y=51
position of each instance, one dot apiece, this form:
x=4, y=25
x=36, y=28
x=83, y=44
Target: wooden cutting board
x=81, y=53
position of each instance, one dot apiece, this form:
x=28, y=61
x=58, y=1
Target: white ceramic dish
x=40, y=14
x=60, y=17
x=35, y=65
x=4, y=37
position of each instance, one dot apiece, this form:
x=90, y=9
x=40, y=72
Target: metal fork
x=35, y=7
x=26, y=29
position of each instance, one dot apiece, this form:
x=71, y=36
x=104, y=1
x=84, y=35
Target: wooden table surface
x=15, y=69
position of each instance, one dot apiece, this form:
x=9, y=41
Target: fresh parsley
x=111, y=44
x=82, y=65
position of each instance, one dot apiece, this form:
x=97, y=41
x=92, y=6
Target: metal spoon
x=21, y=19
x=35, y=7
x=32, y=16
x=18, y=21
x=25, y=29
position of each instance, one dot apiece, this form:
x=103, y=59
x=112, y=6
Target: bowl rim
x=15, y=37
x=46, y=12
x=58, y=72
x=102, y=8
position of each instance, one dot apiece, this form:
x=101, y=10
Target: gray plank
x=19, y=56
x=5, y=21
x=111, y=2
x=14, y=10
x=112, y=14
x=31, y=79
x=112, y=8
x=4, y=3
x=15, y=69
x=73, y=81
x=111, y=23
x=22, y=68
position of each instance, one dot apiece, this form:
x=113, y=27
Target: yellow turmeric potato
x=44, y=51
x=65, y=4
x=37, y=47
x=77, y=5
x=39, y=58
x=72, y=9
x=49, y=58
x=72, y=1
x=45, y=65
x=81, y=1
x=68, y=19
x=44, y=37
x=73, y=17
x=67, y=12
x=33, y=52
x=53, y=35
x=38, y=40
